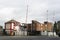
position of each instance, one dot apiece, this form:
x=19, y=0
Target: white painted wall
x=20, y=32
x=49, y=33
x=12, y=25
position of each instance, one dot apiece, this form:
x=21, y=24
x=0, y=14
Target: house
x=37, y=26
x=48, y=26
x=29, y=29
x=41, y=27
x=48, y=29
x=12, y=26
x=24, y=29
x=32, y=28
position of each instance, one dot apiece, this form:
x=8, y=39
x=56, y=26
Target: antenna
x=47, y=22
x=27, y=11
x=54, y=16
x=47, y=16
x=53, y=21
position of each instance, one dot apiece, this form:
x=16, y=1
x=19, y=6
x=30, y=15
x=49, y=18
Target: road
x=28, y=38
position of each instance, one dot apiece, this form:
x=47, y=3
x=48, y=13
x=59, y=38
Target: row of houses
x=37, y=27
x=14, y=27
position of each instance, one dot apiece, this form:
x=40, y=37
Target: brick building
x=37, y=26
x=48, y=26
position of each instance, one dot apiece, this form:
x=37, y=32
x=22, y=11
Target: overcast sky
x=37, y=10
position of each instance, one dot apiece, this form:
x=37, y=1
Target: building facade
x=37, y=26
x=12, y=26
x=48, y=26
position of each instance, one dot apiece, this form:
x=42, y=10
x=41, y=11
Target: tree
x=55, y=27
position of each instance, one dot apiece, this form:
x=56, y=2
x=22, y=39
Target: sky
x=37, y=10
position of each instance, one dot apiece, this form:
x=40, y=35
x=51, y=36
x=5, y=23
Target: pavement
x=28, y=38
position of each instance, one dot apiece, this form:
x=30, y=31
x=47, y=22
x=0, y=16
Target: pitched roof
x=12, y=21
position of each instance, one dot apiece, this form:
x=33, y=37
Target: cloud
x=37, y=10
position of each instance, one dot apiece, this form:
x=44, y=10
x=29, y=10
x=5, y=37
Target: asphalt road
x=28, y=38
